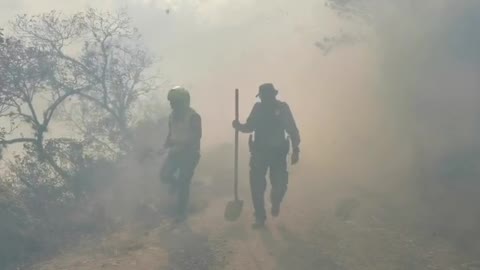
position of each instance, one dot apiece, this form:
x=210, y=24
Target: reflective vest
x=180, y=129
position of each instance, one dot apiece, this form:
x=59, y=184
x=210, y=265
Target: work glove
x=295, y=156
x=167, y=144
x=236, y=124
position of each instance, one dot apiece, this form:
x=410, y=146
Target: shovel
x=234, y=208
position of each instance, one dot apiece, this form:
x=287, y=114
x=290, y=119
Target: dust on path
x=309, y=234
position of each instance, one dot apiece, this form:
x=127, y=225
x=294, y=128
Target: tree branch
x=101, y=104
x=104, y=69
x=87, y=133
x=51, y=109
x=17, y=140
x=14, y=104
x=54, y=165
x=32, y=111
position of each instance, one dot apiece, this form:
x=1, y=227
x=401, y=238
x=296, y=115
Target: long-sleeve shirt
x=270, y=122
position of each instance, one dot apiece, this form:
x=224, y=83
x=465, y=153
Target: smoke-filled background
x=385, y=95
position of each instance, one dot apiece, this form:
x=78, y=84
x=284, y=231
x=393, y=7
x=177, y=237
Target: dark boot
x=259, y=224
x=279, y=180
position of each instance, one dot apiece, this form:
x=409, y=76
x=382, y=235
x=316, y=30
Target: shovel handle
x=235, y=177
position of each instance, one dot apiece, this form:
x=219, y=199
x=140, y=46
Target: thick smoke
x=388, y=115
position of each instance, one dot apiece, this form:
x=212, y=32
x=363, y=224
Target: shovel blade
x=233, y=210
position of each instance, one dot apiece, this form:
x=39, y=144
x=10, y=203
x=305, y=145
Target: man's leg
x=279, y=181
x=187, y=170
x=168, y=176
x=167, y=173
x=258, y=184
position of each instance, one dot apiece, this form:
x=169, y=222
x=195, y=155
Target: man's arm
x=167, y=142
x=291, y=129
x=249, y=125
x=196, y=127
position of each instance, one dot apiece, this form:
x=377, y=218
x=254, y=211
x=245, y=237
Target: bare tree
x=85, y=71
x=111, y=58
x=31, y=94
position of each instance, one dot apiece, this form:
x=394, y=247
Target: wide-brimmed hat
x=266, y=88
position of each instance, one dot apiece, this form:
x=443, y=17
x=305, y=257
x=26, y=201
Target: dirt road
x=303, y=238
x=319, y=228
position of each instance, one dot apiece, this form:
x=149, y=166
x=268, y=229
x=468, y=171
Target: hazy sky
x=214, y=46
x=199, y=37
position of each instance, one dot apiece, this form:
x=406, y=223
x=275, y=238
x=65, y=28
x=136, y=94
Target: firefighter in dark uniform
x=271, y=121
x=183, y=144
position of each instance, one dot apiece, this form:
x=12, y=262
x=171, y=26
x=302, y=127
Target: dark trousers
x=177, y=172
x=276, y=162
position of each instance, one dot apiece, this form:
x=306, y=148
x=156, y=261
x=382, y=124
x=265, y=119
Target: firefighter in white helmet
x=183, y=144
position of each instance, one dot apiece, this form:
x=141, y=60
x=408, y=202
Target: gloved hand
x=167, y=144
x=295, y=156
x=236, y=124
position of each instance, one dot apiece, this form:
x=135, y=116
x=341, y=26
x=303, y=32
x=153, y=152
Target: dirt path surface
x=311, y=233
